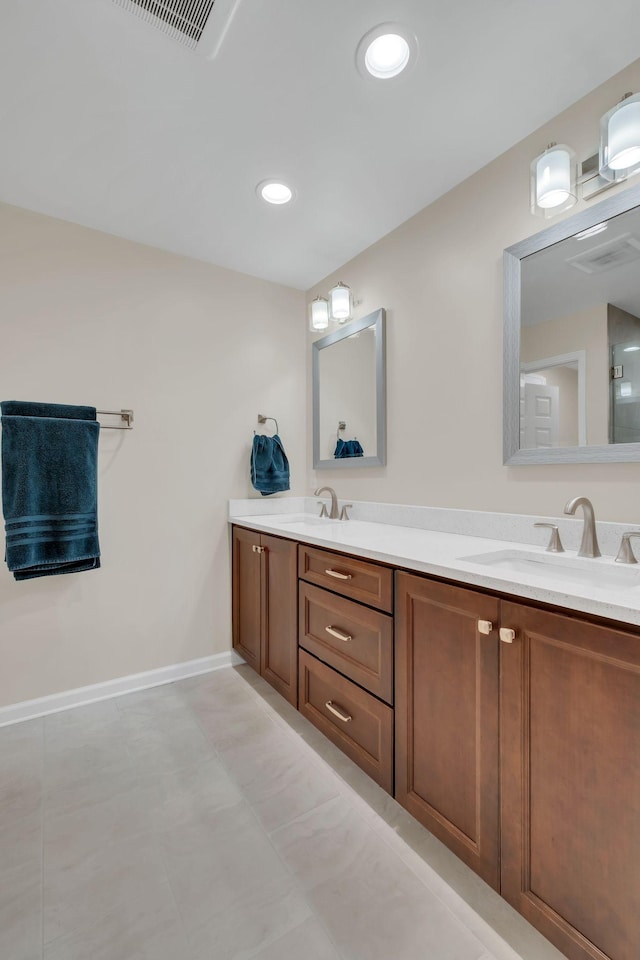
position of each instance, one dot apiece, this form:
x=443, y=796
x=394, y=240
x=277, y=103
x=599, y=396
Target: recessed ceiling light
x=385, y=51
x=274, y=191
x=387, y=56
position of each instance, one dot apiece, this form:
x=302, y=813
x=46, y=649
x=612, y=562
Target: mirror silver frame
x=513, y=456
x=376, y=319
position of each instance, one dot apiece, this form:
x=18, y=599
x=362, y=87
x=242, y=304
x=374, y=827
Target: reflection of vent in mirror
x=183, y=20
x=608, y=255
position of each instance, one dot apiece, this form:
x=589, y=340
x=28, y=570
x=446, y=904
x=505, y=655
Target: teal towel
x=269, y=465
x=49, y=488
x=348, y=448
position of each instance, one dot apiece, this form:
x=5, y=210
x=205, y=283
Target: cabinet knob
x=507, y=635
x=257, y=549
x=485, y=627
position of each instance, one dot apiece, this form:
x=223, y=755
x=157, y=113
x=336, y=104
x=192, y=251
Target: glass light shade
x=553, y=181
x=319, y=314
x=341, y=303
x=620, y=140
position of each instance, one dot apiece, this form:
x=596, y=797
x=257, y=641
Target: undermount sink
x=602, y=572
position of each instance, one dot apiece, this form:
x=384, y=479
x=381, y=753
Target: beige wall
x=198, y=352
x=440, y=277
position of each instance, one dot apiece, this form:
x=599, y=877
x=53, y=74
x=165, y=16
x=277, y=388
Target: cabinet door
x=246, y=595
x=279, y=657
x=570, y=755
x=447, y=716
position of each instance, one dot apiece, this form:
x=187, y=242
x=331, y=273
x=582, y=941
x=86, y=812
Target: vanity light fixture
x=617, y=158
x=275, y=192
x=386, y=51
x=620, y=139
x=591, y=231
x=336, y=307
x=341, y=303
x=319, y=314
x=553, y=181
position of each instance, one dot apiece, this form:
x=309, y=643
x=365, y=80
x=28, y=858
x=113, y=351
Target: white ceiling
x=107, y=122
x=553, y=289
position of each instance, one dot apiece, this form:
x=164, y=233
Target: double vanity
x=491, y=685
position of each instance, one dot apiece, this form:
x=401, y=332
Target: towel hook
x=262, y=419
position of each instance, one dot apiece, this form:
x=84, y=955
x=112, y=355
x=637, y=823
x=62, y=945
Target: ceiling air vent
x=608, y=255
x=198, y=24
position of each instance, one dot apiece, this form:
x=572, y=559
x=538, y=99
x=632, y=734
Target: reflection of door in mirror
x=624, y=344
x=553, y=402
x=540, y=415
x=348, y=393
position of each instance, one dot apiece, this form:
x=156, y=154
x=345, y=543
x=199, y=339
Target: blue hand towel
x=348, y=448
x=269, y=465
x=49, y=488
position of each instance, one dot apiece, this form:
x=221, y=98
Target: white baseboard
x=30, y=709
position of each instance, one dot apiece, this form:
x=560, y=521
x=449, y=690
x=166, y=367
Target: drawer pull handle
x=337, y=712
x=485, y=627
x=507, y=635
x=338, y=575
x=338, y=634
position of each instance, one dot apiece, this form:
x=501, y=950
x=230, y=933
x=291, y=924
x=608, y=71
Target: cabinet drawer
x=351, y=638
x=354, y=720
x=359, y=579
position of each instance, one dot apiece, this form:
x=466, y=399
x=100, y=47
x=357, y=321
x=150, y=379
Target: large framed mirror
x=572, y=339
x=349, y=395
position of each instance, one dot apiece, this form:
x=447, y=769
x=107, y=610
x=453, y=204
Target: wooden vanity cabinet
x=570, y=770
x=517, y=728
x=447, y=710
x=265, y=607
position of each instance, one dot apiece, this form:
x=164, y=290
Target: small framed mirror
x=572, y=339
x=349, y=395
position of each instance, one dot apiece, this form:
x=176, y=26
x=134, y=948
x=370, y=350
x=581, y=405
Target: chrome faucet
x=333, y=515
x=589, y=543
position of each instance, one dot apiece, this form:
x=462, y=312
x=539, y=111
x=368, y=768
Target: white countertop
x=447, y=555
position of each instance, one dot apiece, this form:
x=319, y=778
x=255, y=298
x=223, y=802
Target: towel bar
x=125, y=415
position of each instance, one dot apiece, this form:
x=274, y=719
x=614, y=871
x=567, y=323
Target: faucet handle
x=343, y=513
x=555, y=544
x=323, y=511
x=625, y=553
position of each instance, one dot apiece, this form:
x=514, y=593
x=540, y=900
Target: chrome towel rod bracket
x=125, y=415
x=262, y=419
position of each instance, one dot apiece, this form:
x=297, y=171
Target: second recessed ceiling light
x=386, y=51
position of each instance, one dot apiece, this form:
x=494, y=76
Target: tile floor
x=208, y=820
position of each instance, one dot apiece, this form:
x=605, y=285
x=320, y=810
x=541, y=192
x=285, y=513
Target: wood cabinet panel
x=355, y=721
x=570, y=756
x=446, y=705
x=247, y=596
x=279, y=651
x=360, y=580
x=265, y=607
x=348, y=636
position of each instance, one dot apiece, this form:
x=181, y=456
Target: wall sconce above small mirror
x=572, y=339
x=349, y=395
